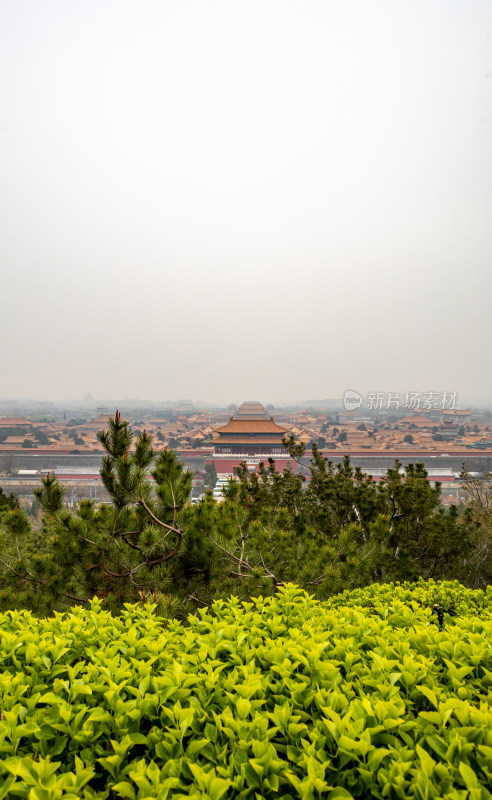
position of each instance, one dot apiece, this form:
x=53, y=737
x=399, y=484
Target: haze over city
x=222, y=200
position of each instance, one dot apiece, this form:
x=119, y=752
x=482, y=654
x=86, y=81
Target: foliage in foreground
x=341, y=530
x=282, y=697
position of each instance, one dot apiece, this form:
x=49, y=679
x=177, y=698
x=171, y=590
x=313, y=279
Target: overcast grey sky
x=221, y=199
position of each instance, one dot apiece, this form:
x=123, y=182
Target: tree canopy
x=333, y=529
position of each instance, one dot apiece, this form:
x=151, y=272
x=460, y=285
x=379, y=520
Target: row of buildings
x=248, y=434
x=252, y=430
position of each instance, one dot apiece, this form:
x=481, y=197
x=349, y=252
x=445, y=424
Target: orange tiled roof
x=247, y=442
x=251, y=426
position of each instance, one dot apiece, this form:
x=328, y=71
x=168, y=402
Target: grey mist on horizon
x=272, y=200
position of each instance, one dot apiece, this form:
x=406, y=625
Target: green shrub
x=283, y=697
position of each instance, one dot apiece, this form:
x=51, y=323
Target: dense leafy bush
x=285, y=697
x=450, y=597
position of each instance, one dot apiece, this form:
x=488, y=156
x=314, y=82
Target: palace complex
x=251, y=435
x=250, y=432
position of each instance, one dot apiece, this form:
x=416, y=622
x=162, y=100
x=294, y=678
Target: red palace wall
x=230, y=465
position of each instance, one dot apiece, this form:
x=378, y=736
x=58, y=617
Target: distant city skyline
x=370, y=402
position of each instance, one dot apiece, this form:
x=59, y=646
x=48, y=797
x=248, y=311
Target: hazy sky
x=236, y=200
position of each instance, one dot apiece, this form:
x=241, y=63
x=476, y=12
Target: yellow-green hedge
x=370, y=695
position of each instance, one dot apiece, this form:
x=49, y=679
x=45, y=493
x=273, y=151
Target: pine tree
x=119, y=551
